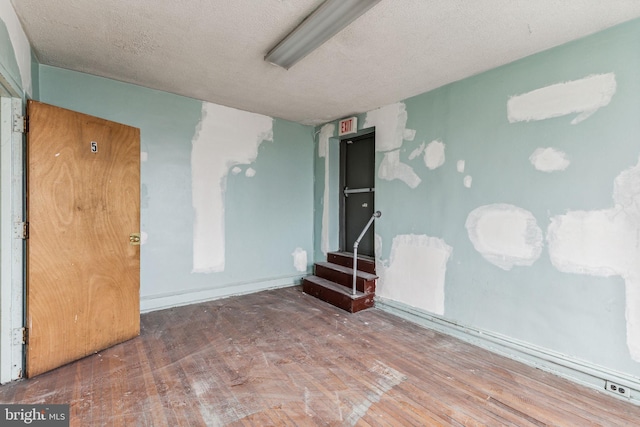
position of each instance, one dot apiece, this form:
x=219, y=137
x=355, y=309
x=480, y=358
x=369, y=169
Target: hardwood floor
x=283, y=358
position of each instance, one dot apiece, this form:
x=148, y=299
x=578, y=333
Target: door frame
x=12, y=245
x=343, y=167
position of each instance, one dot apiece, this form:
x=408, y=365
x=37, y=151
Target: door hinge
x=21, y=124
x=20, y=336
x=21, y=230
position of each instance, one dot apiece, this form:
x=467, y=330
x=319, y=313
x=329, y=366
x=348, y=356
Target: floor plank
x=282, y=358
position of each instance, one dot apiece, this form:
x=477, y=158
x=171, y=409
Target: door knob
x=134, y=239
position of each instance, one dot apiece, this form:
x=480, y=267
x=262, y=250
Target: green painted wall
x=583, y=316
x=35, y=75
x=266, y=217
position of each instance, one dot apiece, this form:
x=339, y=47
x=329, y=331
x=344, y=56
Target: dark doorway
x=357, y=180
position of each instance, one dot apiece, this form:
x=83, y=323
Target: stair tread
x=335, y=287
x=347, y=270
x=365, y=263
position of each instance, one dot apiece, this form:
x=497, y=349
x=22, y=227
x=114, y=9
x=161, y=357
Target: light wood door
x=83, y=202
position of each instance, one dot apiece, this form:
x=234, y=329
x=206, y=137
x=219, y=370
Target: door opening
x=357, y=181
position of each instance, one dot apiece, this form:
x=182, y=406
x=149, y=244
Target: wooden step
x=365, y=263
x=336, y=295
x=365, y=282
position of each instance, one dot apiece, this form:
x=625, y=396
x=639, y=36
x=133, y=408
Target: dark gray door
x=358, y=182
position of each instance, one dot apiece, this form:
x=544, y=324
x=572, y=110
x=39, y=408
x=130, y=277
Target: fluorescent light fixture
x=325, y=22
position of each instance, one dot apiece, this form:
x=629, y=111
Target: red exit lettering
x=347, y=126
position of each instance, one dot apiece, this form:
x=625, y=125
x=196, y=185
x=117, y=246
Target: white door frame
x=12, y=284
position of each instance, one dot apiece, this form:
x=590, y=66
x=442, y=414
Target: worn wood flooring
x=283, y=358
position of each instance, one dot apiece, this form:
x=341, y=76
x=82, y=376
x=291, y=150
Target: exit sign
x=347, y=126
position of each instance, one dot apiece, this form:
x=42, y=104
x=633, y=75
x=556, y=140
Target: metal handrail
x=376, y=214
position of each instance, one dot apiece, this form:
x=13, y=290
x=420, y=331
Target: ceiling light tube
x=325, y=22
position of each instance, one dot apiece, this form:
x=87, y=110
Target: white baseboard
x=176, y=299
x=579, y=371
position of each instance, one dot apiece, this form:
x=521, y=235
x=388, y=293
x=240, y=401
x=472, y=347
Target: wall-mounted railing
x=375, y=215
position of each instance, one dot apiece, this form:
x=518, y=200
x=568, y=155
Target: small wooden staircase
x=333, y=281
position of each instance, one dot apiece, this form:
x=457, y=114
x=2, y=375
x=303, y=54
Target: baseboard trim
x=177, y=299
x=579, y=371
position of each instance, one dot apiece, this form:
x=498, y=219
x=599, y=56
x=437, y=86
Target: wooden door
x=358, y=178
x=83, y=203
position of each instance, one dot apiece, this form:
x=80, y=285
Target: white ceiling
x=213, y=49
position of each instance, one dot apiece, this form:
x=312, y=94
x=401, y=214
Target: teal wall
x=266, y=217
x=35, y=76
x=581, y=316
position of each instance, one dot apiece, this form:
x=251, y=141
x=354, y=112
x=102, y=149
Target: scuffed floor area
x=283, y=358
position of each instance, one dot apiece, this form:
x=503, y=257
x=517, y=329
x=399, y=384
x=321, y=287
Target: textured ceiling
x=213, y=49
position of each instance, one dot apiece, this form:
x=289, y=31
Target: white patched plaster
x=377, y=246
x=605, y=243
x=434, y=154
x=415, y=272
x=143, y=237
x=299, y=259
x=144, y=156
x=467, y=180
x=460, y=166
x=392, y=168
x=236, y=170
x=409, y=134
x=20, y=43
x=250, y=173
x=415, y=153
x=505, y=235
x=390, y=123
x=549, y=160
x=583, y=97
x=326, y=132
x=224, y=137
